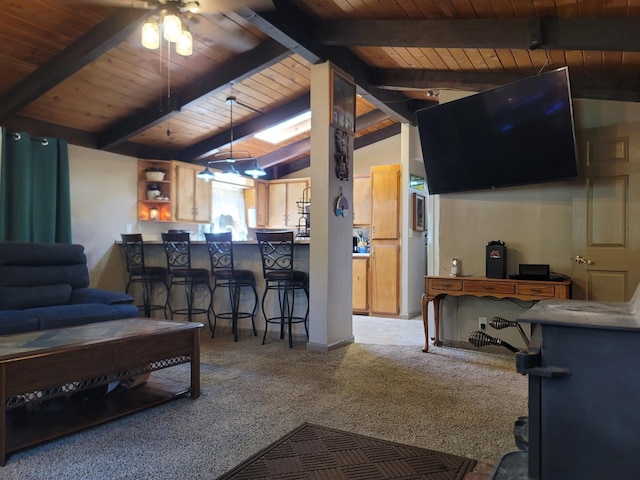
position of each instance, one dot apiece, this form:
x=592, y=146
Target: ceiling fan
x=189, y=6
x=228, y=157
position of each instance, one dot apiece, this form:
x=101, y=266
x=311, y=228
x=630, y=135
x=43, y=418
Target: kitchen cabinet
x=191, y=195
x=385, y=240
x=362, y=201
x=262, y=203
x=385, y=279
x=385, y=202
x=283, y=197
x=256, y=198
x=149, y=205
x=360, y=268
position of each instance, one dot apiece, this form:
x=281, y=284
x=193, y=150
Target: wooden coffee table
x=54, y=363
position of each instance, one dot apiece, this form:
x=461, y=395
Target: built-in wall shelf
x=154, y=204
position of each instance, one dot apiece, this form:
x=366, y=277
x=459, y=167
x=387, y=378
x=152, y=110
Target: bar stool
x=225, y=275
x=177, y=248
x=139, y=272
x=276, y=250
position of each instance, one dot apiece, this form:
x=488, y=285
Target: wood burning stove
x=583, y=363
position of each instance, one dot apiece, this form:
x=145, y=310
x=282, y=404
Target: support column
x=330, y=284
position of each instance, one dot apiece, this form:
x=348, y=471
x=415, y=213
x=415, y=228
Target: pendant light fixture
x=255, y=170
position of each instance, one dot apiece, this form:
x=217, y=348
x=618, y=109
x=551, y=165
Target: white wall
x=103, y=202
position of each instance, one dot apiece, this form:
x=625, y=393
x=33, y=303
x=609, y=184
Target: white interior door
x=606, y=214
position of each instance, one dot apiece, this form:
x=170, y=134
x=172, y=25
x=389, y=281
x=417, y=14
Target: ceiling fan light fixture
x=171, y=27
x=184, y=46
x=192, y=7
x=255, y=170
x=151, y=35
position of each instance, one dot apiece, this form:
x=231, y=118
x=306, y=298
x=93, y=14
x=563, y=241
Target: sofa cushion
x=26, y=264
x=96, y=295
x=17, y=321
x=19, y=298
x=80, y=314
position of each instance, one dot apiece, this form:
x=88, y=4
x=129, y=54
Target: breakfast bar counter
x=246, y=257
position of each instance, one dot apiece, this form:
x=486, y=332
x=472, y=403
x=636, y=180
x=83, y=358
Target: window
x=228, y=213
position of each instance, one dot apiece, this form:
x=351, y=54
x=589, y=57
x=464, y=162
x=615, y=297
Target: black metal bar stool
x=276, y=250
x=177, y=248
x=225, y=275
x=147, y=276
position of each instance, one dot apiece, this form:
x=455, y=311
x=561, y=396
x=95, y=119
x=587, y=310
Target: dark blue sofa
x=46, y=285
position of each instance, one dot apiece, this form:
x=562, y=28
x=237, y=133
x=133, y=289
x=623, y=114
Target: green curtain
x=34, y=189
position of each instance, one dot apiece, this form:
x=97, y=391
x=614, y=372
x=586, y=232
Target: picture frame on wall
x=418, y=212
x=343, y=103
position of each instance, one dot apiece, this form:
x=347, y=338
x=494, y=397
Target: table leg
x=436, y=320
x=195, y=365
x=425, y=321
x=3, y=416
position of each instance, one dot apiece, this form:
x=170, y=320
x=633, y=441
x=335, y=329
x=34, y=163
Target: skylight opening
x=287, y=129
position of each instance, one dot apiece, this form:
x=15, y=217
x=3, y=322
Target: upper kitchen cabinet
x=191, y=195
x=257, y=199
x=262, y=203
x=283, y=197
x=385, y=202
x=362, y=201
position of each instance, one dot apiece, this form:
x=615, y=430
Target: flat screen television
x=516, y=134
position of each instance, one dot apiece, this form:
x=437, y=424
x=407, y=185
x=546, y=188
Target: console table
x=436, y=288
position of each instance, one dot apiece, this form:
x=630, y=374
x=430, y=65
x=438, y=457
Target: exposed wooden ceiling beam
x=113, y=30
x=239, y=68
x=283, y=169
x=302, y=147
x=603, y=33
x=200, y=151
x=377, y=136
x=39, y=128
x=600, y=88
x=295, y=30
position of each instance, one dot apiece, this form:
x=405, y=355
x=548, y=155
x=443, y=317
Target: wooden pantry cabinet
x=361, y=201
x=385, y=240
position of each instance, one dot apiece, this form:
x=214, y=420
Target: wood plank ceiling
x=76, y=69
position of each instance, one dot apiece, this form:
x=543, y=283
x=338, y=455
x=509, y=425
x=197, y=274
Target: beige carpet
x=453, y=401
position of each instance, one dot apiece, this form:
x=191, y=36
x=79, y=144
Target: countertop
x=154, y=241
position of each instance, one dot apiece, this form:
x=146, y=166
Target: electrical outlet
x=482, y=323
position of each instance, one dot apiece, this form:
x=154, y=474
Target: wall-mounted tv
x=516, y=134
